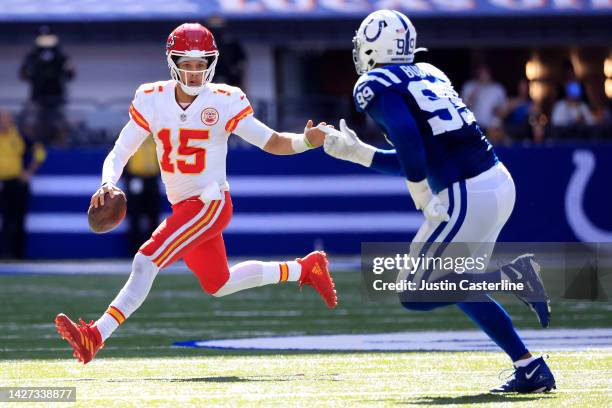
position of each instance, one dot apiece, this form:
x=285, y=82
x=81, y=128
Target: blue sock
x=496, y=323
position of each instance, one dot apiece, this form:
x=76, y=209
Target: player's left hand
x=435, y=210
x=315, y=135
x=425, y=200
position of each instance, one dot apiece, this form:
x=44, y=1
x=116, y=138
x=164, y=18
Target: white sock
x=295, y=271
x=524, y=362
x=106, y=325
x=251, y=274
x=130, y=298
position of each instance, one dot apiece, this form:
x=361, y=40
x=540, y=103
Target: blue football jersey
x=435, y=135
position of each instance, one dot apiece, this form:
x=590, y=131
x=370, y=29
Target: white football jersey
x=191, y=142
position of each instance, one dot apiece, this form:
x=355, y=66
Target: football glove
x=344, y=144
x=425, y=200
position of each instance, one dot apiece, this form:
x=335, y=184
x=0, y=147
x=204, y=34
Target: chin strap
x=191, y=90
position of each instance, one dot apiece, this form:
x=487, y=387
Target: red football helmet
x=191, y=41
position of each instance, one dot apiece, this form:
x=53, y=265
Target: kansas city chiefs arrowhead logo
x=170, y=41
x=210, y=116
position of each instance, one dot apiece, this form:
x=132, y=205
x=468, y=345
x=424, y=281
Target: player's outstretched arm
x=292, y=143
x=387, y=162
x=281, y=143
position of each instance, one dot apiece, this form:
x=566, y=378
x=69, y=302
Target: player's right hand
x=98, y=197
x=314, y=136
x=344, y=144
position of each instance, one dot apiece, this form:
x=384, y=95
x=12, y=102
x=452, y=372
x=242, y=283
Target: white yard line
x=461, y=340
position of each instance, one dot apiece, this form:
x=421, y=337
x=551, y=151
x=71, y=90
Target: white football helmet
x=384, y=37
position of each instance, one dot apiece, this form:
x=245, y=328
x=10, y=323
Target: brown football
x=107, y=217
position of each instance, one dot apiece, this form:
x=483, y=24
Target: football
x=107, y=217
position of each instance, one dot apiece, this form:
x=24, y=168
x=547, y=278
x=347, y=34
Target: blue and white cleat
x=524, y=269
x=535, y=377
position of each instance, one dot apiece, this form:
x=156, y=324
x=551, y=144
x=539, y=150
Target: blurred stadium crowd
x=528, y=89
x=570, y=102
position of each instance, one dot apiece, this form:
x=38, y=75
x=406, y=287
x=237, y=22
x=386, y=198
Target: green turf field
x=139, y=365
x=421, y=379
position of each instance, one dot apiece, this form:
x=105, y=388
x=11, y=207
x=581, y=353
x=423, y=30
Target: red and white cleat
x=82, y=337
x=315, y=273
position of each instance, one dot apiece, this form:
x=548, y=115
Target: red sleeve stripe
x=233, y=122
x=139, y=119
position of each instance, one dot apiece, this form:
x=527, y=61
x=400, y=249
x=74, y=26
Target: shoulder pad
x=432, y=70
x=152, y=87
x=224, y=89
x=373, y=83
x=388, y=74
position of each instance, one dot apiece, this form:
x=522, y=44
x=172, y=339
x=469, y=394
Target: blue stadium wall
x=289, y=205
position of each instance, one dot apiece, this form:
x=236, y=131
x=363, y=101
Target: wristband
x=300, y=143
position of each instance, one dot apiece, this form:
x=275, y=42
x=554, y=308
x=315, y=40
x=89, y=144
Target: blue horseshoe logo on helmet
x=381, y=24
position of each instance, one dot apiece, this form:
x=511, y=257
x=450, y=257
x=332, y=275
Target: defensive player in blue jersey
x=452, y=173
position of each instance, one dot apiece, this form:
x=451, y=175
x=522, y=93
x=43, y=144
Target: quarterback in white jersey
x=192, y=141
x=190, y=120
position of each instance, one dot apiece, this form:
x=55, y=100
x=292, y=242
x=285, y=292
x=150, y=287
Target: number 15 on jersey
x=194, y=158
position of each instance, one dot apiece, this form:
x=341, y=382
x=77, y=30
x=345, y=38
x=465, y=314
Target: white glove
x=344, y=144
x=424, y=199
x=435, y=210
